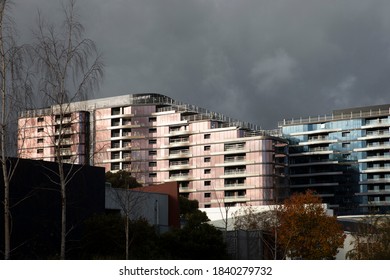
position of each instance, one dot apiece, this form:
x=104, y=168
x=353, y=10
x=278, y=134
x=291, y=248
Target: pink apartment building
x=216, y=160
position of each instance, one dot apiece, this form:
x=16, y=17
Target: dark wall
x=36, y=208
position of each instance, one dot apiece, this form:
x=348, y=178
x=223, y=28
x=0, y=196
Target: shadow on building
x=36, y=207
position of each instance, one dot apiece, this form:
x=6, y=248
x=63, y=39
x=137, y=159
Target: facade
x=215, y=160
x=36, y=207
x=343, y=157
x=159, y=204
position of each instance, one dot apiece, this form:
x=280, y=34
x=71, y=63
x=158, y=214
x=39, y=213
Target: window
x=39, y=151
x=115, y=133
x=207, y=159
x=152, y=175
x=40, y=140
x=153, y=141
x=206, y=148
x=115, y=122
x=152, y=164
x=207, y=206
x=206, y=136
x=115, y=144
x=207, y=194
x=152, y=153
x=41, y=119
x=152, y=119
x=344, y=134
x=115, y=111
x=152, y=130
x=207, y=183
x=115, y=166
x=126, y=121
x=126, y=143
x=40, y=129
x=346, y=145
x=126, y=132
x=115, y=155
x=207, y=171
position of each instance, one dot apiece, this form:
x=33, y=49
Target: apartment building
x=216, y=160
x=344, y=157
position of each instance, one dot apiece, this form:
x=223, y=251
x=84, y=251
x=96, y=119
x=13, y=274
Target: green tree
x=305, y=231
x=197, y=239
x=104, y=239
x=122, y=179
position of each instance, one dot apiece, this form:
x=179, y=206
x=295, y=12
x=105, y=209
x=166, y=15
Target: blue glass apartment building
x=343, y=157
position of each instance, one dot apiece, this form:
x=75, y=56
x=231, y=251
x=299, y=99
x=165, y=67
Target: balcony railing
x=178, y=175
x=179, y=153
x=179, y=163
x=234, y=159
x=235, y=171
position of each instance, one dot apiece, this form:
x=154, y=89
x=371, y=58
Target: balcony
x=65, y=141
x=179, y=153
x=184, y=176
x=236, y=198
x=374, y=146
x=234, y=147
x=132, y=135
x=238, y=186
x=315, y=140
x=317, y=173
x=186, y=190
x=175, y=132
x=66, y=153
x=376, y=123
x=179, y=164
x=64, y=131
x=314, y=163
x=313, y=185
x=234, y=160
x=375, y=135
x=65, y=120
x=176, y=142
x=379, y=169
x=234, y=173
x=375, y=181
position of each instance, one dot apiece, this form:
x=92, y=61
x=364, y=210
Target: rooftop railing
x=336, y=117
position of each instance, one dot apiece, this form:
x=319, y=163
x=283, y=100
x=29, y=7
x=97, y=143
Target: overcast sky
x=255, y=60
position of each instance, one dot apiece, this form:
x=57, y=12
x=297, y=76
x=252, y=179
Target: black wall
x=36, y=208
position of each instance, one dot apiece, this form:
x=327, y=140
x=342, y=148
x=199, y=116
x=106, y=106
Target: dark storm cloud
x=259, y=61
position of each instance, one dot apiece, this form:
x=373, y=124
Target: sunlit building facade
x=344, y=157
x=215, y=159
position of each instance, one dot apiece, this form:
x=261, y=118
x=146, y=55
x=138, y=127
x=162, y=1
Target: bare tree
x=70, y=69
x=14, y=87
x=248, y=218
x=130, y=203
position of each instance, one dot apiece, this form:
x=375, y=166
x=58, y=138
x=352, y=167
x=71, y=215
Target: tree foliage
x=305, y=231
x=372, y=239
x=196, y=240
x=122, y=179
x=104, y=238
